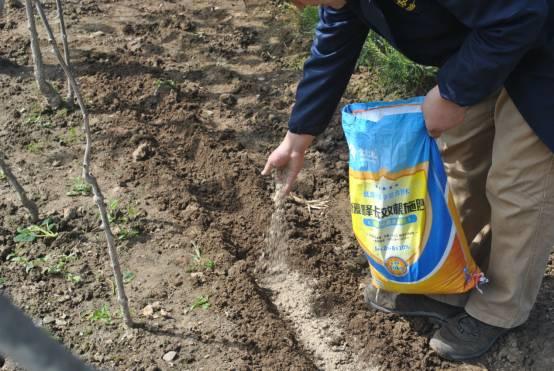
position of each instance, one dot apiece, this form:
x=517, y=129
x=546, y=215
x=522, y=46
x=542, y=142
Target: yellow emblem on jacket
x=408, y=5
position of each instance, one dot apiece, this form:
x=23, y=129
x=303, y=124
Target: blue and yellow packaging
x=403, y=213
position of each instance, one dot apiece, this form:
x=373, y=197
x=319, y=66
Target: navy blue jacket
x=479, y=45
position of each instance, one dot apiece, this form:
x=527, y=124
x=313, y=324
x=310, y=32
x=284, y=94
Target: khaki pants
x=502, y=178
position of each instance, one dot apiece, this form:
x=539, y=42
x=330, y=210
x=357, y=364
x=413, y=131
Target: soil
x=187, y=98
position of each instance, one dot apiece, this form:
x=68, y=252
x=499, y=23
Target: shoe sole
x=433, y=317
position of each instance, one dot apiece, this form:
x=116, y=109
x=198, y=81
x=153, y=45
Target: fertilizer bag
x=403, y=214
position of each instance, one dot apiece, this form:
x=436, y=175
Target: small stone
x=96, y=34
x=228, y=99
x=147, y=311
x=48, y=319
x=170, y=356
x=56, y=163
x=142, y=152
x=273, y=118
x=60, y=322
x=198, y=277
x=164, y=313
x=135, y=45
x=69, y=213
x=156, y=305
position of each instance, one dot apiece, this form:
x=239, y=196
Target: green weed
x=28, y=264
x=35, y=117
x=128, y=277
x=167, y=84
x=199, y=262
x=34, y=147
x=2, y=175
x=46, y=229
x=200, y=302
x=123, y=217
x=60, y=265
x=71, y=137
x=125, y=233
x=209, y=264
x=72, y=277
x=113, y=210
x=101, y=315
x=59, y=268
x=80, y=188
x=63, y=112
x=2, y=281
x=118, y=214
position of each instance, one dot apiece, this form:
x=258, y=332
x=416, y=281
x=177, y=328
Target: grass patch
x=165, y=84
x=307, y=19
x=79, y=188
x=28, y=264
x=199, y=262
x=200, y=302
x=395, y=73
x=128, y=277
x=72, y=136
x=124, y=219
x=34, y=147
x=102, y=315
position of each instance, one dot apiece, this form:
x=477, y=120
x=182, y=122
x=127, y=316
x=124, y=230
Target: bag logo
x=396, y=266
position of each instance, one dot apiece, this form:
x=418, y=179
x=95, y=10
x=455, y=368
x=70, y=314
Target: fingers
x=291, y=178
x=267, y=167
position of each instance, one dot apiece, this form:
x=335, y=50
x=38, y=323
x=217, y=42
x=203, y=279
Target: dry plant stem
x=63, y=32
x=89, y=178
x=45, y=88
x=28, y=204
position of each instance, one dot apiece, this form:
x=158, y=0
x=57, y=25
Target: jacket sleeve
x=339, y=38
x=502, y=31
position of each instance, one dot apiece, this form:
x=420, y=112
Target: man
x=493, y=109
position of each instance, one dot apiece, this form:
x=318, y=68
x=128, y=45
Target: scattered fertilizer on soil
x=273, y=259
x=322, y=336
x=292, y=295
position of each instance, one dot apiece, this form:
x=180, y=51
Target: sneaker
x=409, y=304
x=464, y=337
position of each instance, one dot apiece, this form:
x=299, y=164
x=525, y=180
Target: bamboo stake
x=87, y=174
x=70, y=94
x=44, y=86
x=25, y=201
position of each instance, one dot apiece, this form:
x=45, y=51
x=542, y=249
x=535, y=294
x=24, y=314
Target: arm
x=339, y=38
x=502, y=32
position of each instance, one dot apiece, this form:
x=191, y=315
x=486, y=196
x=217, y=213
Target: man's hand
x=289, y=156
x=335, y=4
x=441, y=114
